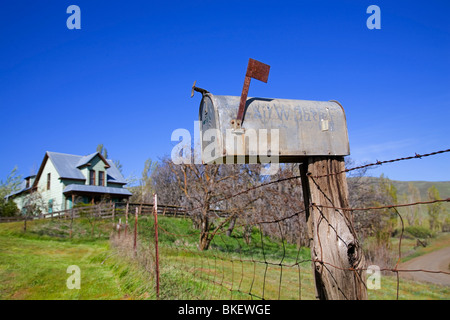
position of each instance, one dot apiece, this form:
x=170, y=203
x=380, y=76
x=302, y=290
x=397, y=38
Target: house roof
x=85, y=159
x=21, y=188
x=67, y=167
x=96, y=189
x=113, y=174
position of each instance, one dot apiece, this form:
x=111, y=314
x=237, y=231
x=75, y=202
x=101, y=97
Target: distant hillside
x=423, y=186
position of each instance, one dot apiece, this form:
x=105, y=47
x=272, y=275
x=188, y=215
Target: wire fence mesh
x=251, y=263
x=255, y=259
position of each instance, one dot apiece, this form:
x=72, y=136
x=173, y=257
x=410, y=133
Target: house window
x=48, y=180
x=101, y=178
x=28, y=183
x=92, y=177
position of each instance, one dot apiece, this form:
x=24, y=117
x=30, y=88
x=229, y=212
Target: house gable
x=48, y=184
x=95, y=171
x=87, y=160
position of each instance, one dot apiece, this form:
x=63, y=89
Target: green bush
x=419, y=232
x=8, y=208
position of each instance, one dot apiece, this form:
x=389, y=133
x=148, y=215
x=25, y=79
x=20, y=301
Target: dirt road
x=435, y=261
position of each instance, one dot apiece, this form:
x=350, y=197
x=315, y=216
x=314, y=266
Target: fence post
x=71, y=222
x=126, y=218
x=155, y=213
x=73, y=204
x=135, y=230
x=337, y=257
x=113, y=211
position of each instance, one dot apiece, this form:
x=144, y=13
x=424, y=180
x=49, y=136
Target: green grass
x=232, y=269
x=33, y=265
x=33, y=268
x=410, y=251
x=408, y=290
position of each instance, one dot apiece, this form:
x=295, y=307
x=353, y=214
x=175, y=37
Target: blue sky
x=124, y=79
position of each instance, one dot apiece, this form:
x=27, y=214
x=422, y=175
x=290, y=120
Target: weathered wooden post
x=113, y=212
x=71, y=222
x=337, y=258
x=119, y=226
x=313, y=133
x=126, y=218
x=135, y=230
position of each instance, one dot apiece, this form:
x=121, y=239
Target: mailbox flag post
x=256, y=70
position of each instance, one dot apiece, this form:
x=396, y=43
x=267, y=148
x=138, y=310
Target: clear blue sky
x=124, y=79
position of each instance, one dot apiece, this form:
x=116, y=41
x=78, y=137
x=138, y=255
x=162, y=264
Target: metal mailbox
x=289, y=129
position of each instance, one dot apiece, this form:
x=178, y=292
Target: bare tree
x=280, y=204
x=219, y=197
x=144, y=190
x=165, y=183
x=206, y=189
x=33, y=205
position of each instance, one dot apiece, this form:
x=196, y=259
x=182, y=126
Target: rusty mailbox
x=251, y=128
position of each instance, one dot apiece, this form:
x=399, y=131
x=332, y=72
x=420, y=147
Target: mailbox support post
x=337, y=258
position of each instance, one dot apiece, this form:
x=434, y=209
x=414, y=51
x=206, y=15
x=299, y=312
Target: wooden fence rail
x=105, y=211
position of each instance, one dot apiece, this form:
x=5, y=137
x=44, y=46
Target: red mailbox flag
x=256, y=70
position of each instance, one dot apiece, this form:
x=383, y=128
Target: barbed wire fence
x=249, y=264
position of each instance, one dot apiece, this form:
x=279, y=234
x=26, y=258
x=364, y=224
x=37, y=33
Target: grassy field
x=33, y=265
